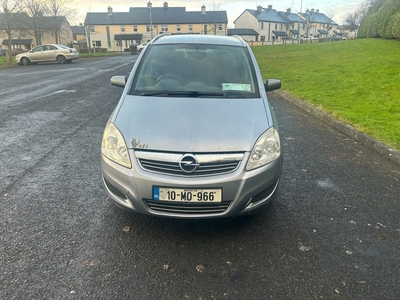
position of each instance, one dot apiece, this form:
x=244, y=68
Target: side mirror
x=272, y=84
x=118, y=81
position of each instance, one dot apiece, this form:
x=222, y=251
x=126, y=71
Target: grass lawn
x=356, y=81
x=3, y=61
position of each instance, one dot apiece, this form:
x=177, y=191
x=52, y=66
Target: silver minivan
x=193, y=135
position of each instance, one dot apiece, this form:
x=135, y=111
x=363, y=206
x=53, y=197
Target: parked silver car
x=193, y=135
x=46, y=53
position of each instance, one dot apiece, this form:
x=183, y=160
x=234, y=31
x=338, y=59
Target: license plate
x=187, y=195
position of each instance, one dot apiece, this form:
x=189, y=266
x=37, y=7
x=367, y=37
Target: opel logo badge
x=188, y=163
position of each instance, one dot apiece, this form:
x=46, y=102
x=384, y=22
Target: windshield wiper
x=192, y=94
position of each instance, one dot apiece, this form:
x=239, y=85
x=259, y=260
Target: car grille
x=214, y=164
x=187, y=208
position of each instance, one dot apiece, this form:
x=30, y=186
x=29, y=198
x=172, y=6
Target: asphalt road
x=332, y=233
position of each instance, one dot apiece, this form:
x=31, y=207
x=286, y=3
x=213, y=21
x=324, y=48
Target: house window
x=205, y=29
x=97, y=43
x=262, y=25
x=262, y=38
x=148, y=28
x=219, y=26
x=92, y=29
x=122, y=28
x=178, y=28
x=135, y=28
x=276, y=26
x=190, y=28
x=164, y=28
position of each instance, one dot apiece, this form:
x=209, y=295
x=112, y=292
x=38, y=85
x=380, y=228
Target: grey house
x=318, y=24
x=273, y=25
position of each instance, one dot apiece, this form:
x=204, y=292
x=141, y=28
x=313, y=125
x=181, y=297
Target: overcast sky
x=234, y=8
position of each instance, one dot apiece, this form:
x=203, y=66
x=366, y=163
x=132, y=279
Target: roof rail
x=239, y=38
x=158, y=36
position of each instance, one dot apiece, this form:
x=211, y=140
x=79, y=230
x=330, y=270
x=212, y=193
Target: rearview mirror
x=272, y=84
x=118, y=81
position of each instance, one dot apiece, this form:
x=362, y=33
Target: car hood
x=191, y=124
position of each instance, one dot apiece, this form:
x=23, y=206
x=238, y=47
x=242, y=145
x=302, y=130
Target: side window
x=38, y=49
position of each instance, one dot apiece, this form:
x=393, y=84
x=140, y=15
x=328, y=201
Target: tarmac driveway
x=332, y=233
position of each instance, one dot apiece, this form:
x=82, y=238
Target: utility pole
x=149, y=5
x=298, y=27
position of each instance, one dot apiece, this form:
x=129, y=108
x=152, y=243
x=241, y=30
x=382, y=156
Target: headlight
x=113, y=146
x=266, y=150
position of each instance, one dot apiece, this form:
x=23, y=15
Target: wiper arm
x=193, y=94
x=152, y=93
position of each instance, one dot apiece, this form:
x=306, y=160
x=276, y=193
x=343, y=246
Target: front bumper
x=243, y=192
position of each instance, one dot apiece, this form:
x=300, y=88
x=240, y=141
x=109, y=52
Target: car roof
x=198, y=39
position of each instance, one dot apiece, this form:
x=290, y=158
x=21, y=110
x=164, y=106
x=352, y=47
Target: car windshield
x=195, y=70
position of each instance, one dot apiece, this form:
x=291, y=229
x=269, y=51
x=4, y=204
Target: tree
x=11, y=17
x=330, y=14
x=350, y=21
x=353, y=20
x=59, y=10
x=88, y=28
x=381, y=20
x=395, y=30
x=213, y=20
x=36, y=24
x=362, y=11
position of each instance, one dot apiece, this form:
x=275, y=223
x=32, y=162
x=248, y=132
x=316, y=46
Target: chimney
x=307, y=11
x=203, y=10
x=312, y=10
x=270, y=7
x=259, y=9
x=149, y=5
x=109, y=10
x=289, y=10
x=165, y=5
x=317, y=11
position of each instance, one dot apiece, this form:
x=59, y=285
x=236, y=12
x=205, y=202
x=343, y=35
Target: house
x=28, y=31
x=79, y=36
x=273, y=25
x=115, y=31
x=269, y=23
x=296, y=24
x=318, y=24
x=247, y=34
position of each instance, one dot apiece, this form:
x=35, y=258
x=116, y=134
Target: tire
x=69, y=61
x=25, y=61
x=61, y=59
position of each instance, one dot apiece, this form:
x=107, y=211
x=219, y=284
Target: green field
x=356, y=81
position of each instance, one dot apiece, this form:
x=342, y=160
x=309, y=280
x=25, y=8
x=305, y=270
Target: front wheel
x=25, y=61
x=61, y=59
